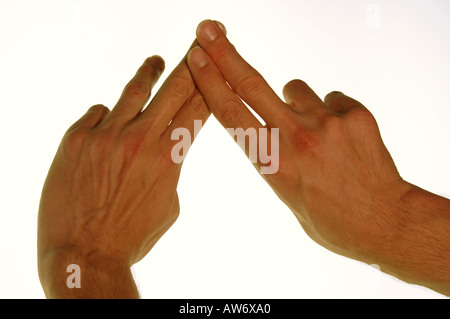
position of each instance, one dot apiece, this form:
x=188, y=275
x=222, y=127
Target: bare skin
x=111, y=192
x=335, y=172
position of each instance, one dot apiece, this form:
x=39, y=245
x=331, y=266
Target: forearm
x=418, y=250
x=68, y=277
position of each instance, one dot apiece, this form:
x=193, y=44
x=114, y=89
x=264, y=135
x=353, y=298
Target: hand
x=334, y=171
x=111, y=193
x=333, y=167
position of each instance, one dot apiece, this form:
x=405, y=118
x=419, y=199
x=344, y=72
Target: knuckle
x=230, y=112
x=290, y=122
x=360, y=115
x=199, y=105
x=137, y=88
x=332, y=123
x=222, y=55
x=96, y=143
x=288, y=118
x=133, y=139
x=103, y=139
x=85, y=120
x=75, y=138
x=180, y=86
x=250, y=85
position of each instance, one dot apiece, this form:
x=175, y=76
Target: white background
x=234, y=238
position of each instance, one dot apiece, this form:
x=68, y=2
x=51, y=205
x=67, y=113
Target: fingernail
x=207, y=30
x=157, y=62
x=221, y=26
x=198, y=57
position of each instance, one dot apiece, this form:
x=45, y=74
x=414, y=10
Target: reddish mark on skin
x=304, y=140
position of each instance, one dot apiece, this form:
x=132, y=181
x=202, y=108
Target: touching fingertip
x=221, y=26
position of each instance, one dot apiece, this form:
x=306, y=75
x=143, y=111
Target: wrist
x=69, y=274
x=416, y=248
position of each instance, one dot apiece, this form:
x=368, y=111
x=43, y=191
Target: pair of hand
x=111, y=192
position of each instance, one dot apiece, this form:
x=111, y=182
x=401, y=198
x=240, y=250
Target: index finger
x=241, y=76
x=228, y=108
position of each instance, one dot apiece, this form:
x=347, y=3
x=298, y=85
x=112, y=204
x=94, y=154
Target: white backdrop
x=234, y=238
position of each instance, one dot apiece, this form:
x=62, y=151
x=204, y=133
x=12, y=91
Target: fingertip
x=98, y=107
x=209, y=22
x=156, y=62
x=293, y=88
x=330, y=96
x=210, y=30
x=296, y=83
x=197, y=57
x=222, y=27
